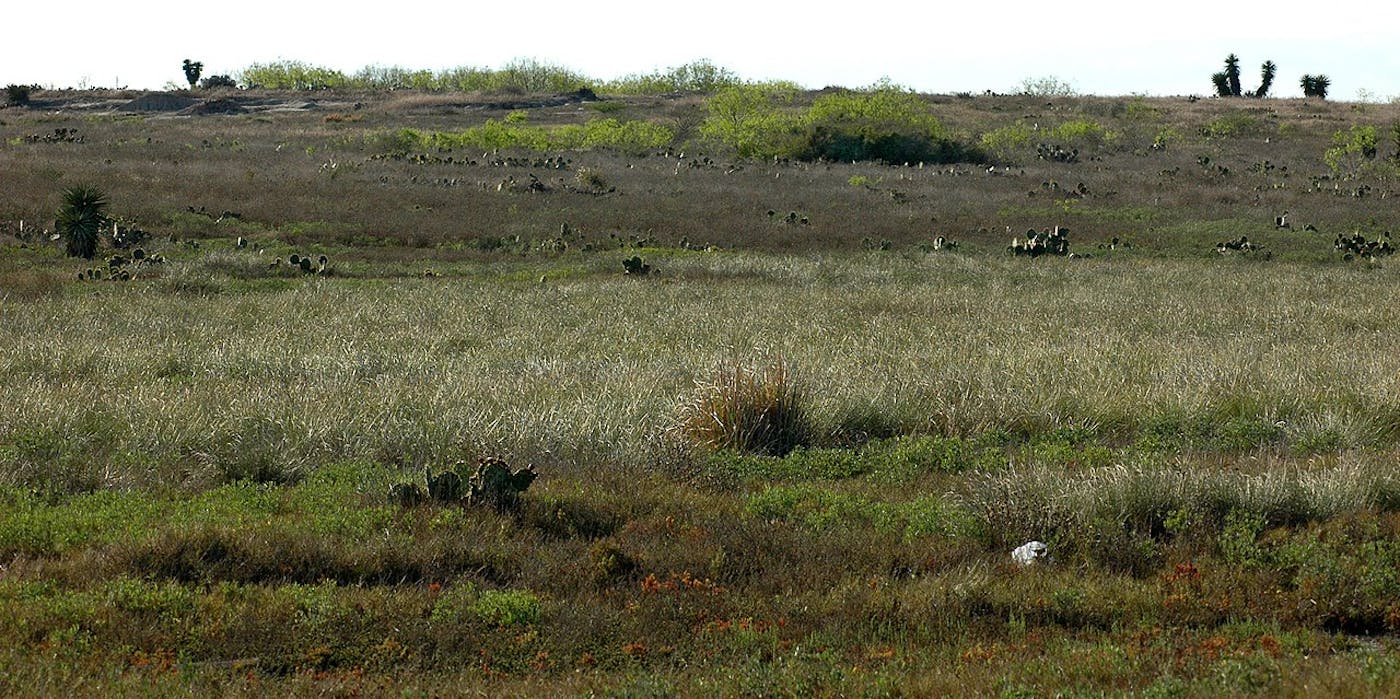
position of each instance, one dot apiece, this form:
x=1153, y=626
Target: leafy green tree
x=192, y=71
x=81, y=219
x=1232, y=74
x=750, y=119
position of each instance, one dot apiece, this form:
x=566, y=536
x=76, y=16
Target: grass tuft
x=751, y=409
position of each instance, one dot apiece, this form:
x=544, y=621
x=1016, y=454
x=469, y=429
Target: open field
x=198, y=464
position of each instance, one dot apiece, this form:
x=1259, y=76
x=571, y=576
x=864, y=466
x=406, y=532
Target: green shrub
x=507, y=607
x=1231, y=125
x=885, y=123
x=17, y=95
x=1082, y=133
x=514, y=132
x=1352, y=149
x=758, y=410
x=292, y=75
x=1047, y=86
x=751, y=119
x=216, y=81
x=698, y=76
x=1006, y=141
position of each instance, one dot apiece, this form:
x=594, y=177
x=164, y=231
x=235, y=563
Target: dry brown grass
x=287, y=168
x=753, y=409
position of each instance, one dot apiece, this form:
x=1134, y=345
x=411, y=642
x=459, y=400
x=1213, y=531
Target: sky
x=1096, y=47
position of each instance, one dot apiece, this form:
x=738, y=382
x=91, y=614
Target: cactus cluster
x=532, y=185
x=1058, y=154
x=1240, y=244
x=120, y=268
x=126, y=233
x=495, y=484
x=59, y=135
x=1357, y=246
x=791, y=218
x=1051, y=241
x=303, y=263
x=491, y=482
x=634, y=266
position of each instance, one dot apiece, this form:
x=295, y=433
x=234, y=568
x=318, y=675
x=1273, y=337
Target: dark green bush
x=884, y=123
x=890, y=147
x=214, y=81
x=17, y=95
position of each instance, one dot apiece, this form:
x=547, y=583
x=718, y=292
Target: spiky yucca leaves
x=1232, y=75
x=757, y=410
x=1266, y=78
x=192, y=70
x=1315, y=85
x=1222, y=84
x=81, y=218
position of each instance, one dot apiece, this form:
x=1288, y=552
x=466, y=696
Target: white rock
x=1029, y=552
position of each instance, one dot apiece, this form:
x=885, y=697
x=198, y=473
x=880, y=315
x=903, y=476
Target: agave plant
x=81, y=219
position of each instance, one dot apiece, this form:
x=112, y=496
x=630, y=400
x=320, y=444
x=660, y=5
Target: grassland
x=195, y=464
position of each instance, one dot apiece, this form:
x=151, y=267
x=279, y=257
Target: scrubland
x=196, y=463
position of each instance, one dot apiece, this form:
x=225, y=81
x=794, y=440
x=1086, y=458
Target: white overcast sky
x=1098, y=47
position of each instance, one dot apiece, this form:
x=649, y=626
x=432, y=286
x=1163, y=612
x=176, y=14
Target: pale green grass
x=128, y=384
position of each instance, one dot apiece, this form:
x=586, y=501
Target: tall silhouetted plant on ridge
x=1227, y=82
x=1315, y=86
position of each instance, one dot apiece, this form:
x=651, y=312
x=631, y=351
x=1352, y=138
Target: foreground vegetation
x=789, y=454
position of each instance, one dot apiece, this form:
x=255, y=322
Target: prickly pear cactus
x=496, y=485
x=445, y=487
x=407, y=494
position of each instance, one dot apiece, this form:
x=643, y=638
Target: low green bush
x=884, y=123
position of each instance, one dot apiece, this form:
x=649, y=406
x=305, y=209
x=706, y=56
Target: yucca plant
x=1266, y=78
x=752, y=409
x=81, y=219
x=1315, y=86
x=192, y=70
x=1227, y=82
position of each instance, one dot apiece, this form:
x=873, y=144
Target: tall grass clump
x=751, y=409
